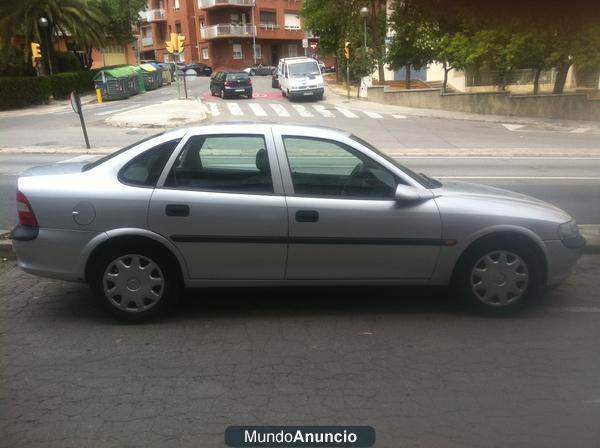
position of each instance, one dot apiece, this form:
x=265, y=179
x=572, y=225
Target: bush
x=23, y=91
x=64, y=83
x=67, y=62
x=12, y=63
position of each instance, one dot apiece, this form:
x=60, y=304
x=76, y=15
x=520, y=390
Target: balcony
x=153, y=15
x=292, y=27
x=227, y=30
x=206, y=4
x=269, y=26
x=147, y=41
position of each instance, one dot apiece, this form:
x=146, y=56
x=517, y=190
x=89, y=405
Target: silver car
x=260, y=204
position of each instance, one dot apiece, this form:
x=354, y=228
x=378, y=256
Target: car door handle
x=307, y=216
x=177, y=210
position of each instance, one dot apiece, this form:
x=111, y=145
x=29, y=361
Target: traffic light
x=171, y=45
x=180, y=41
x=36, y=53
x=347, y=50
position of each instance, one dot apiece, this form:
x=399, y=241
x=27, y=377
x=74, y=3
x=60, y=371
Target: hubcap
x=499, y=278
x=133, y=283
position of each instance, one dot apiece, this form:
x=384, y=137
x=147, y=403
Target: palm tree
x=81, y=20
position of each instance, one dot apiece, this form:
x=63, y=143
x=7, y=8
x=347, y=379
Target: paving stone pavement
x=407, y=361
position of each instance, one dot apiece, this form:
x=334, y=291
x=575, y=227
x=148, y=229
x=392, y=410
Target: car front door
x=344, y=220
x=220, y=201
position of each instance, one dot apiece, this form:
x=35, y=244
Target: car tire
x=274, y=84
x=252, y=72
x=222, y=94
x=498, y=277
x=283, y=94
x=319, y=97
x=151, y=282
x=249, y=94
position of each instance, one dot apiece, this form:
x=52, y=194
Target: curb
x=590, y=232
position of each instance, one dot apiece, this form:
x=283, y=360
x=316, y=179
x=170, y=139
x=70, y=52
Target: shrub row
x=17, y=91
x=64, y=83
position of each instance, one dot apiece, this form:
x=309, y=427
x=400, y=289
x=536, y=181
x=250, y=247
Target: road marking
x=398, y=116
x=513, y=127
x=579, y=130
x=280, y=110
x=324, y=112
x=78, y=158
x=108, y=112
x=372, y=114
x=524, y=177
x=575, y=309
x=346, y=112
x=214, y=109
x=235, y=109
x=257, y=109
x=302, y=111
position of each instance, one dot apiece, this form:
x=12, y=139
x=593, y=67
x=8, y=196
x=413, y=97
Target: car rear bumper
x=54, y=253
x=238, y=90
x=562, y=257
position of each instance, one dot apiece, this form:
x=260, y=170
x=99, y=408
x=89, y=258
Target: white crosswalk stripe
x=398, y=116
x=280, y=110
x=347, y=113
x=302, y=111
x=235, y=109
x=214, y=109
x=257, y=109
x=372, y=114
x=324, y=112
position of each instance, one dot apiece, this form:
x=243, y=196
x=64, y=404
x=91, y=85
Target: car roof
x=274, y=125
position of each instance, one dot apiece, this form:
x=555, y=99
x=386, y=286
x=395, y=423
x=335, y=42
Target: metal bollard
x=99, y=95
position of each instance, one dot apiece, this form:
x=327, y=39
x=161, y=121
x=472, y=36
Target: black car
x=227, y=84
x=200, y=69
x=260, y=69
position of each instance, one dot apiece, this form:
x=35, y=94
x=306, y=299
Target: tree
x=453, y=51
x=81, y=20
x=122, y=16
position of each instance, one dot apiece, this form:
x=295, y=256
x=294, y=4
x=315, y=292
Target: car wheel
x=223, y=94
x=499, y=277
x=252, y=72
x=249, y=94
x=274, y=84
x=135, y=283
x=319, y=97
x=283, y=93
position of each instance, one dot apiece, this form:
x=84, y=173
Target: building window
x=202, y=22
x=237, y=51
x=268, y=19
x=178, y=28
x=258, y=51
x=234, y=17
x=292, y=50
x=291, y=21
x=205, y=53
x=176, y=6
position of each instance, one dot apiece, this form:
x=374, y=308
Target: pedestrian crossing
x=284, y=110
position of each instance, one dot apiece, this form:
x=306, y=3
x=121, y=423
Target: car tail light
x=26, y=216
x=249, y=82
x=226, y=83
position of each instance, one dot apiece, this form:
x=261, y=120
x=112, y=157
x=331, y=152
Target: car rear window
x=107, y=157
x=237, y=76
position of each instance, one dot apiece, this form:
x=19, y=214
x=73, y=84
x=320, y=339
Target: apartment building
x=229, y=34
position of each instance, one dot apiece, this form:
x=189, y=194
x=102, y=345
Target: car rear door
x=351, y=229
x=220, y=201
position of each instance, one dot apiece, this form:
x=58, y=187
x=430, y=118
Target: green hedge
x=17, y=91
x=64, y=83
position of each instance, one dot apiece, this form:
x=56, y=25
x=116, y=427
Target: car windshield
x=237, y=76
x=424, y=180
x=107, y=157
x=304, y=69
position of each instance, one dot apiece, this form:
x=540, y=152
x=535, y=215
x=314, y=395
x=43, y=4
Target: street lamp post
x=364, y=12
x=43, y=23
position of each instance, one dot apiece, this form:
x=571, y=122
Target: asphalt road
x=406, y=361
x=58, y=125
x=572, y=184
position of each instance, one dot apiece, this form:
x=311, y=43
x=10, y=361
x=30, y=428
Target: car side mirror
x=407, y=193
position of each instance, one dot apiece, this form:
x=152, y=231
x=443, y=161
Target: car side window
x=331, y=169
x=145, y=169
x=228, y=163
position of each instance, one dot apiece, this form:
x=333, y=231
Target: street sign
x=313, y=45
x=304, y=43
x=76, y=105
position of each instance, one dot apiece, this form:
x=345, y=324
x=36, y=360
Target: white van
x=300, y=78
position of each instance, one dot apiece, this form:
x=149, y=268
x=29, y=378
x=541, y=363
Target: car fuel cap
x=84, y=213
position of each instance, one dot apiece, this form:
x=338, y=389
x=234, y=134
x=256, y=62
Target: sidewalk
x=167, y=114
x=591, y=232
x=336, y=94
